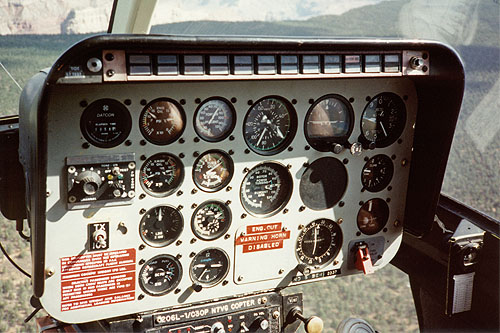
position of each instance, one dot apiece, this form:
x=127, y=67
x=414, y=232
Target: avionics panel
x=175, y=177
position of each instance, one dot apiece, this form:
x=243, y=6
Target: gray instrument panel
x=311, y=235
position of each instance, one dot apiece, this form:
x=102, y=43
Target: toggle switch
x=363, y=259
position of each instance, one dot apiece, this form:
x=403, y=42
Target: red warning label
x=97, y=279
x=262, y=237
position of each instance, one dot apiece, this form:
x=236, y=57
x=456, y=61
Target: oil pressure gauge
x=319, y=242
x=160, y=275
x=214, y=119
x=162, y=121
x=209, y=267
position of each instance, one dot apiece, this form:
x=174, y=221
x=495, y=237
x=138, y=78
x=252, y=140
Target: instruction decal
x=97, y=279
x=263, y=237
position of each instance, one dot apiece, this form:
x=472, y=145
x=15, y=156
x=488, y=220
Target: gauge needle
x=261, y=136
x=213, y=116
x=213, y=168
x=315, y=240
x=152, y=114
x=160, y=217
x=278, y=131
x=383, y=128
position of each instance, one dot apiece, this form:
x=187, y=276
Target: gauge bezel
x=173, y=286
x=387, y=210
x=325, y=144
x=338, y=247
x=230, y=169
x=219, y=233
x=387, y=181
x=124, y=117
x=173, y=138
x=288, y=182
x=291, y=131
x=173, y=189
x=220, y=278
x=395, y=133
x=229, y=130
x=168, y=241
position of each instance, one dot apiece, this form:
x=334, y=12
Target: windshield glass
x=31, y=42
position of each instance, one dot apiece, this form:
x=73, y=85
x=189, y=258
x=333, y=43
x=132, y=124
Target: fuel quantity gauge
x=160, y=275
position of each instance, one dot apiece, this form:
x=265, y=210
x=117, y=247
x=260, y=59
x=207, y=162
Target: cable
x=12, y=261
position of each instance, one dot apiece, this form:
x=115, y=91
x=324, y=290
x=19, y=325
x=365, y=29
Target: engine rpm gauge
x=211, y=220
x=329, y=121
x=377, y=173
x=214, y=119
x=105, y=123
x=162, y=121
x=160, y=275
x=212, y=170
x=373, y=216
x=266, y=188
x=209, y=267
x=319, y=242
x=161, y=174
x=383, y=119
x=161, y=226
x=269, y=125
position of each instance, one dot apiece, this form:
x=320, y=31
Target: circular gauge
x=211, y=220
x=105, y=123
x=377, y=173
x=160, y=275
x=323, y=183
x=162, y=174
x=162, y=121
x=214, y=119
x=270, y=125
x=161, y=226
x=383, y=119
x=329, y=121
x=319, y=242
x=266, y=188
x=373, y=216
x=212, y=170
x=209, y=267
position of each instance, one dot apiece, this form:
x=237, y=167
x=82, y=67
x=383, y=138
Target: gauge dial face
x=377, y=173
x=160, y=275
x=269, y=125
x=214, y=119
x=319, y=242
x=209, y=267
x=266, y=188
x=162, y=174
x=329, y=121
x=212, y=170
x=373, y=216
x=161, y=226
x=105, y=123
x=211, y=220
x=383, y=119
x=162, y=121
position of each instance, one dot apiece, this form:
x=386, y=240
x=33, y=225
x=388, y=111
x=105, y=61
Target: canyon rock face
x=54, y=16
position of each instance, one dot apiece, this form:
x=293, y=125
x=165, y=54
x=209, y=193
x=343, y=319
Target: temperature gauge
x=212, y=170
x=160, y=275
x=162, y=174
x=209, y=267
x=214, y=119
x=211, y=220
x=162, y=121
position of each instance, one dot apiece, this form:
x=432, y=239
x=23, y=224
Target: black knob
x=90, y=180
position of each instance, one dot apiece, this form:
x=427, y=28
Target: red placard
x=263, y=237
x=96, y=279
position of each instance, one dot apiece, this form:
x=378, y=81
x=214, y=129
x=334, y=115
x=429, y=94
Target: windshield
x=31, y=42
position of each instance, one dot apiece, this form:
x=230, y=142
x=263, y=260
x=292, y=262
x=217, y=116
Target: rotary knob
x=90, y=181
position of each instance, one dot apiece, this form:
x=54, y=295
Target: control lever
x=363, y=259
x=312, y=324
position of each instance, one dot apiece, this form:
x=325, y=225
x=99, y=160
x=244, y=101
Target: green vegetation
x=383, y=299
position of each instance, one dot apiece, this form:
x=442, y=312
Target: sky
x=169, y=11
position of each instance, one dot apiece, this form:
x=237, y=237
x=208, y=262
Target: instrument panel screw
x=227, y=236
x=302, y=208
x=177, y=291
x=243, y=215
x=49, y=272
x=240, y=278
x=141, y=296
x=289, y=166
x=142, y=196
x=243, y=234
x=110, y=73
x=71, y=199
x=276, y=314
x=193, y=206
x=281, y=271
x=192, y=254
x=245, y=170
x=301, y=226
x=285, y=210
x=48, y=193
x=179, y=193
x=142, y=261
x=193, y=240
x=404, y=162
x=193, y=191
x=340, y=220
x=228, y=202
x=179, y=242
x=196, y=154
x=263, y=300
x=142, y=247
x=85, y=145
x=180, y=207
x=178, y=256
x=109, y=57
x=225, y=282
x=397, y=223
x=335, y=262
x=229, y=188
x=142, y=211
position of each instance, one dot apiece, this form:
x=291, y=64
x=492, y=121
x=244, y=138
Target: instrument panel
x=165, y=191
